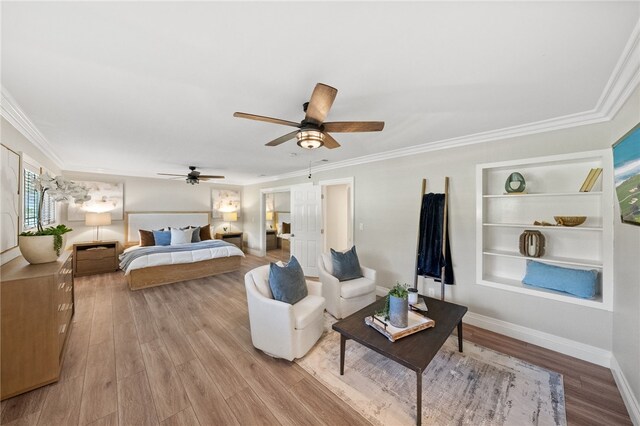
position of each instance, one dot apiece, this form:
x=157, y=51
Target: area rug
x=477, y=387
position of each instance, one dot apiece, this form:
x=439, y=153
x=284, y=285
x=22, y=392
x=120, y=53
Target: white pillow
x=181, y=236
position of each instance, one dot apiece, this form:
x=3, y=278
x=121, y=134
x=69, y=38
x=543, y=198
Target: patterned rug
x=477, y=387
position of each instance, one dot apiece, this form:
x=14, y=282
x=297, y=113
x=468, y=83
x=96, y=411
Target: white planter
x=39, y=249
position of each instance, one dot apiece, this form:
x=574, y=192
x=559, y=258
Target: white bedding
x=174, y=258
x=284, y=236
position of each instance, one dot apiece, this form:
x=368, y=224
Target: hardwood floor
x=181, y=355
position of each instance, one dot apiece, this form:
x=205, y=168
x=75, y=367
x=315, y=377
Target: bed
x=172, y=264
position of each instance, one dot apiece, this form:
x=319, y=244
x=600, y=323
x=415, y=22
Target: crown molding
x=12, y=112
x=624, y=78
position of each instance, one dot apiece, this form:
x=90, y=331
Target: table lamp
x=229, y=217
x=97, y=220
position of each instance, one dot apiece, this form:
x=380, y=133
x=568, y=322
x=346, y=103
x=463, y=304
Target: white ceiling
x=139, y=88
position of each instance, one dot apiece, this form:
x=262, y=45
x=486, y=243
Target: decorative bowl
x=570, y=220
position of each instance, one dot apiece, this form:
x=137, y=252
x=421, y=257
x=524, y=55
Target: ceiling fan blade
x=330, y=142
x=320, y=103
x=354, y=126
x=265, y=119
x=170, y=174
x=282, y=139
x=207, y=177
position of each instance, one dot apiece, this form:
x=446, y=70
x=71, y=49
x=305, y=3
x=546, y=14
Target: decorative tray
x=416, y=322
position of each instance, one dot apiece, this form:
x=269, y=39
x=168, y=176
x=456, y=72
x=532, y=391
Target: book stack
x=591, y=179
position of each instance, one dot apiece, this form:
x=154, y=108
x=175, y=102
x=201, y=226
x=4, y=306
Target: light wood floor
x=181, y=354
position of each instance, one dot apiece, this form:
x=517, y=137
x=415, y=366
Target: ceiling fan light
x=310, y=139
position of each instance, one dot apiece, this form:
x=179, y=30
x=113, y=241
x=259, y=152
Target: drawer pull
x=61, y=286
x=63, y=328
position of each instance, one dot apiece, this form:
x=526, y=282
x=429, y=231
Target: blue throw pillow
x=287, y=282
x=162, y=238
x=345, y=265
x=579, y=282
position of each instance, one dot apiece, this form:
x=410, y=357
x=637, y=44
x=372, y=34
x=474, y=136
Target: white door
x=305, y=226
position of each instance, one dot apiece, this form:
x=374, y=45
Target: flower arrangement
x=59, y=189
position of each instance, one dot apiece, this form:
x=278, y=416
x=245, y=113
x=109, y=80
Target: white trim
x=539, y=338
x=254, y=252
x=628, y=396
x=624, y=78
x=12, y=112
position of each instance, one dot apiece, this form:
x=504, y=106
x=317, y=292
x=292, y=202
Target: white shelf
x=547, y=259
x=548, y=194
x=553, y=182
x=517, y=287
x=550, y=228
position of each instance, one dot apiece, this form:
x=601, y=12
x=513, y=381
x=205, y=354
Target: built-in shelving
x=554, y=184
x=548, y=228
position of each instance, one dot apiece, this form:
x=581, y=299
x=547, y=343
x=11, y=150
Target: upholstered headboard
x=135, y=221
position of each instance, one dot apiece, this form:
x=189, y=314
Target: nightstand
x=231, y=237
x=272, y=239
x=95, y=257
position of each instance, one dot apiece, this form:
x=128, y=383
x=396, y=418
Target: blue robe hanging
x=430, y=258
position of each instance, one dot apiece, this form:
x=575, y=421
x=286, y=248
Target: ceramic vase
x=398, y=311
x=38, y=249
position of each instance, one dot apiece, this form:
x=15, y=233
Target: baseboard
x=549, y=341
x=254, y=252
x=628, y=397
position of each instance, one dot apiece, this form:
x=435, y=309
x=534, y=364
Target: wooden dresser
x=231, y=237
x=37, y=307
x=96, y=257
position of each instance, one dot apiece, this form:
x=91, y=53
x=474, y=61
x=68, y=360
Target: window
x=31, y=199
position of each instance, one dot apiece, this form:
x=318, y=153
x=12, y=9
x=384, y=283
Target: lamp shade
x=230, y=216
x=97, y=219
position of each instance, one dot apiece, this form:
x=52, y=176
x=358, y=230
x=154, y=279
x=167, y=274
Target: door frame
x=263, y=213
x=350, y=182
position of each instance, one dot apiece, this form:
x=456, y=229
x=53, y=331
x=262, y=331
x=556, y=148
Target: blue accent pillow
x=162, y=238
x=287, y=282
x=346, y=265
x=579, y=282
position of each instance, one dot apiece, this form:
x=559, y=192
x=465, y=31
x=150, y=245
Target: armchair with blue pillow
x=347, y=286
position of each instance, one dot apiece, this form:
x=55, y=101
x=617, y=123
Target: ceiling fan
x=194, y=176
x=313, y=130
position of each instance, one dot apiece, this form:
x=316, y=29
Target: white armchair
x=346, y=297
x=279, y=329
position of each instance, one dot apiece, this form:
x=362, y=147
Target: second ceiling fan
x=312, y=130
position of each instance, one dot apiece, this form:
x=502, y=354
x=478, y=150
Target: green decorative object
x=515, y=183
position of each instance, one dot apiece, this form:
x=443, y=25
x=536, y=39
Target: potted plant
x=396, y=308
x=44, y=245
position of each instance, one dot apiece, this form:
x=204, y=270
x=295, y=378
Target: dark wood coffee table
x=415, y=351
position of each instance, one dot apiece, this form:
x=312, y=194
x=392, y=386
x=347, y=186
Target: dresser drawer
x=96, y=254
x=97, y=266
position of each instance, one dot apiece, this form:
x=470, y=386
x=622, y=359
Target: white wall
x=147, y=194
x=626, y=302
x=387, y=204
x=336, y=217
x=282, y=201
x=14, y=140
